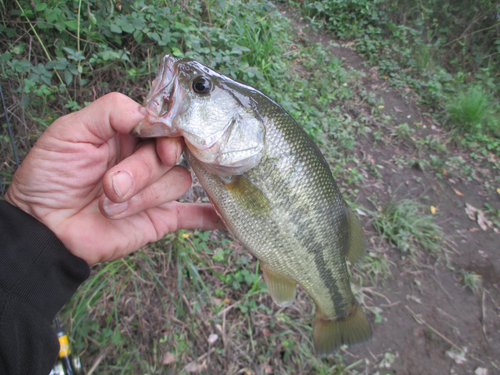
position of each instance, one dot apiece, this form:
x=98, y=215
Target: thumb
x=99, y=121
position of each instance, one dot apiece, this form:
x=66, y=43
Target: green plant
x=407, y=227
x=472, y=281
x=470, y=109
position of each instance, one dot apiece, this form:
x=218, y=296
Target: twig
x=442, y=288
x=381, y=295
x=445, y=313
x=226, y=309
x=484, y=317
x=421, y=321
x=97, y=361
x=392, y=304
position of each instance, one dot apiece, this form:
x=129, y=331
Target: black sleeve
x=37, y=277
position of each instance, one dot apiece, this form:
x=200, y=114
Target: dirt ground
x=431, y=323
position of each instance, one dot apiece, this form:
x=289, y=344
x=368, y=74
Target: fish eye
x=201, y=85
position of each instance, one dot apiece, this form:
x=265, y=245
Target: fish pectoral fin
x=331, y=334
x=357, y=243
x=281, y=288
x=248, y=194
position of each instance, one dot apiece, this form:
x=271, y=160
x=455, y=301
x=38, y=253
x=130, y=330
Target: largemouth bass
x=272, y=187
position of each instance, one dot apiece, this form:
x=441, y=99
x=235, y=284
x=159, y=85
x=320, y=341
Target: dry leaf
x=433, y=210
x=482, y=221
x=458, y=192
x=168, y=359
x=471, y=211
x=458, y=355
x=266, y=332
x=212, y=338
x=360, y=213
x=268, y=369
x=196, y=367
x=217, y=301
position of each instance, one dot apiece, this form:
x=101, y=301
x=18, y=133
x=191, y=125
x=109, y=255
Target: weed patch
x=408, y=228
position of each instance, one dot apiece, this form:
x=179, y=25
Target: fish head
x=217, y=116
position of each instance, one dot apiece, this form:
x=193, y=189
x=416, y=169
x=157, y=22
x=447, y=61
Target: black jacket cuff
x=35, y=267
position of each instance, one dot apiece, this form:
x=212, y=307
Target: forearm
x=37, y=277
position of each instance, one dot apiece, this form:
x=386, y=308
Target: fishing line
x=9, y=129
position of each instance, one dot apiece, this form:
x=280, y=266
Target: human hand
x=100, y=190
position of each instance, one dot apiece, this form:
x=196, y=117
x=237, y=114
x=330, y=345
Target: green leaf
x=115, y=28
x=61, y=63
x=20, y=66
x=5, y=57
x=92, y=19
x=68, y=77
x=40, y=6
x=138, y=35
x=177, y=52
x=154, y=36
x=72, y=25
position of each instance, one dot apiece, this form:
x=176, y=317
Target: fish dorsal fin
x=281, y=288
x=357, y=243
x=250, y=196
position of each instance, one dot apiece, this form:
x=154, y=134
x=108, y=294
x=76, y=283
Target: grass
x=405, y=224
x=472, y=281
x=470, y=109
x=172, y=296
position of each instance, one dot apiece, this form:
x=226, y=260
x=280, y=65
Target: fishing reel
x=66, y=364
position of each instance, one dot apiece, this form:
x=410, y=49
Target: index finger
x=99, y=121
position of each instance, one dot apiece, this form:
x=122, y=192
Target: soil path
x=429, y=323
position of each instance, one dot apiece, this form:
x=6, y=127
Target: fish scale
x=275, y=193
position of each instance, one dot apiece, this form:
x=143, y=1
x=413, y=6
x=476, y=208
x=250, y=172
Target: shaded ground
x=427, y=315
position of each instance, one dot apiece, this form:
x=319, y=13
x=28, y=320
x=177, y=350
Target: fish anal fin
x=357, y=242
x=281, y=288
x=330, y=334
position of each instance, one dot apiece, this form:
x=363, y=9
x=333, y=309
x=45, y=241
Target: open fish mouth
x=189, y=99
x=158, y=103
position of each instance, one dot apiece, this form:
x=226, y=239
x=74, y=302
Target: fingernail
x=122, y=182
x=112, y=208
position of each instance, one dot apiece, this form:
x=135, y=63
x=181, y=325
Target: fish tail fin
x=330, y=334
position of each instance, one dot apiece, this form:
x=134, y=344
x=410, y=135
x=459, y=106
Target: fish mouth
x=159, y=103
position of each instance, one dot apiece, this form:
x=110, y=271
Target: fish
x=272, y=187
